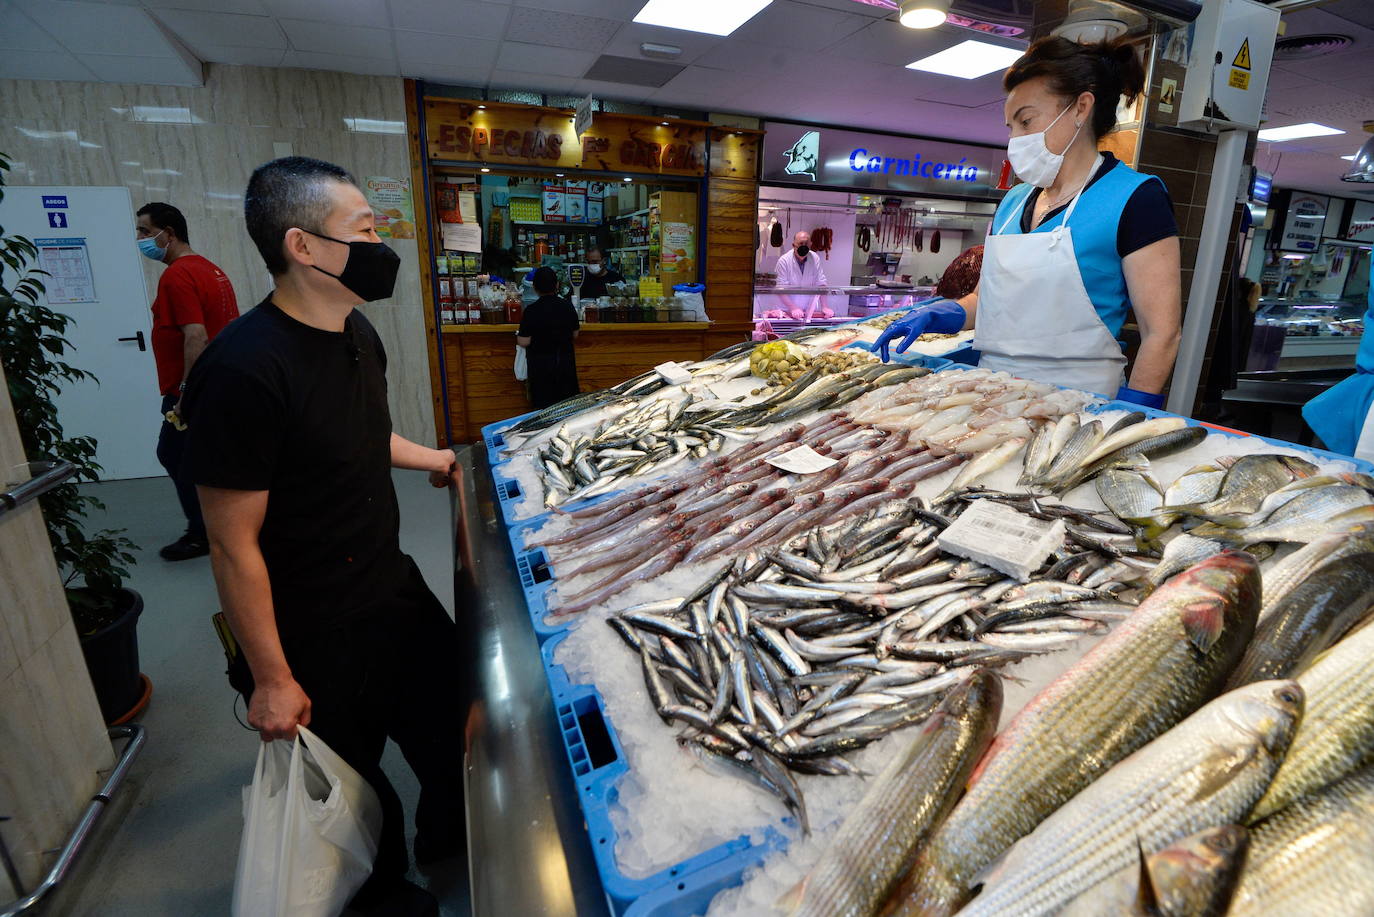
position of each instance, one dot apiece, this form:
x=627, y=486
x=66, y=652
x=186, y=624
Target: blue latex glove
x=939, y=316
x=1142, y=398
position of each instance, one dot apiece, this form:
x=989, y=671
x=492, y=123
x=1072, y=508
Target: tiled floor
x=171, y=842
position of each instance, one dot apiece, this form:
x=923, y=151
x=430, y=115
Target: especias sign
x=528, y=135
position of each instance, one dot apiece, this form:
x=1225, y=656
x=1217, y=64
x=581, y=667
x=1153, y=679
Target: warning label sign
x=1240, y=79
x=1243, y=56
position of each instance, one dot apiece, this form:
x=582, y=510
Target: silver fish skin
x=872, y=847
x=1168, y=658
x=1335, y=598
x=1182, y=552
x=1313, y=858
x=1336, y=736
x=1283, y=576
x=1199, y=484
x=1209, y=770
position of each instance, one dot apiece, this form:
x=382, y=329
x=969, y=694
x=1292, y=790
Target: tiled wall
x=52, y=741
x=195, y=148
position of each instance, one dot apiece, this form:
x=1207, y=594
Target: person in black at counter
x=547, y=331
x=291, y=449
x=599, y=273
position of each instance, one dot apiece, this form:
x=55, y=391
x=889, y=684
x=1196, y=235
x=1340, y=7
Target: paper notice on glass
x=672, y=373
x=467, y=206
x=462, y=237
x=801, y=460
x=68, y=263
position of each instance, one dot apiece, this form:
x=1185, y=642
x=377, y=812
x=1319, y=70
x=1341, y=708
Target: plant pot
x=111, y=654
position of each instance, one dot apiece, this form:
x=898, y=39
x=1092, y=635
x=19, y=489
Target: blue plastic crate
x=1360, y=464
x=494, y=441
x=598, y=762
x=536, y=577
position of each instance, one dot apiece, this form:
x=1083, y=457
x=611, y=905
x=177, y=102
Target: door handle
x=138, y=336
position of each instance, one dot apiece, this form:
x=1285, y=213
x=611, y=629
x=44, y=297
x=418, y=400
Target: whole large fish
x=917, y=788
x=1335, y=598
x=1250, y=480
x=1287, y=574
x=1192, y=877
x=1303, y=519
x=1336, y=736
x=1169, y=657
x=1181, y=553
x=1209, y=770
x=1314, y=857
x=1134, y=497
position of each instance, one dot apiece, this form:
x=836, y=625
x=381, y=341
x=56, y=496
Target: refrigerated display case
x=1305, y=334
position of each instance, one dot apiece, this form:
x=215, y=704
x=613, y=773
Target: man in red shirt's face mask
x=195, y=300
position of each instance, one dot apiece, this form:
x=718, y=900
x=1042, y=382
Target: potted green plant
x=93, y=565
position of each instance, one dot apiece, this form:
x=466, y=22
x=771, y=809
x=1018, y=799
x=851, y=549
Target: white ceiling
x=1336, y=90
x=829, y=61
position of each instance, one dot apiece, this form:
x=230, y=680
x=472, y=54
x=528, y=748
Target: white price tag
x=673, y=373
x=801, y=460
x=995, y=534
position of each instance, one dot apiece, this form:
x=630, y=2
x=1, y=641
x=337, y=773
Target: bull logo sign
x=804, y=156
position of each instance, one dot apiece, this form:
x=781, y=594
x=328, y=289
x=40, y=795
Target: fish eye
x=1289, y=695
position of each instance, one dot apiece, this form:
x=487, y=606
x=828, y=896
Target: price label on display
x=801, y=460
x=673, y=373
x=1004, y=539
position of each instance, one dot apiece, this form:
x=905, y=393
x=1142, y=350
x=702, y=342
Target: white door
x=86, y=240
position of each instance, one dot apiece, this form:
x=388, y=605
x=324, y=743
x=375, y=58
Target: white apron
x=1035, y=319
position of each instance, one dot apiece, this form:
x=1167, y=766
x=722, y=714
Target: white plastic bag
x=310, y=831
x=522, y=364
x=693, y=307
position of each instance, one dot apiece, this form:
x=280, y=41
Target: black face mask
x=803, y=251
x=369, y=272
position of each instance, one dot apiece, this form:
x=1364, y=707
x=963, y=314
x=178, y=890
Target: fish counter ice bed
x=595, y=683
x=598, y=763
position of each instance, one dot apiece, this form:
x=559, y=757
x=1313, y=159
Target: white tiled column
x=52, y=739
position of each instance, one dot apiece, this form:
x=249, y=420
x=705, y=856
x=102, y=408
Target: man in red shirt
x=195, y=300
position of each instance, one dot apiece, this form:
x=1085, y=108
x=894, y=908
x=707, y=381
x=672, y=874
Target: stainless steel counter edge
x=529, y=852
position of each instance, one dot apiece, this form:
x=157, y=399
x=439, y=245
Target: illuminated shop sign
x=801, y=154
x=862, y=161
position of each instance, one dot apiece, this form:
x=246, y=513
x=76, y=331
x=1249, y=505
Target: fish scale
x=1208, y=770
x=1159, y=665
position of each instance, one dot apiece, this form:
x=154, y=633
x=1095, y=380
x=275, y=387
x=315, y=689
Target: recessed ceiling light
x=628, y=178
x=713, y=17
x=923, y=14
x=558, y=175
x=1297, y=132
x=481, y=106
x=968, y=60
x=665, y=123
x=485, y=169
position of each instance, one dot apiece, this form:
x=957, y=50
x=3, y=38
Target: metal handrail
x=45, y=476
x=86, y=824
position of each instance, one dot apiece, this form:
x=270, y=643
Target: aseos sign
x=802, y=154
x=494, y=132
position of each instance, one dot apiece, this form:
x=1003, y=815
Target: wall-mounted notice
x=390, y=201
x=68, y=263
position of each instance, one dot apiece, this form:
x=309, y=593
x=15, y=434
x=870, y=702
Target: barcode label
x=999, y=536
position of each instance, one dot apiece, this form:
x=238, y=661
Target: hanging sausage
x=935, y=242
x=775, y=234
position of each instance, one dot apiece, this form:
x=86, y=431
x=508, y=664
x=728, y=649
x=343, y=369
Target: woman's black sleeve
x=1148, y=217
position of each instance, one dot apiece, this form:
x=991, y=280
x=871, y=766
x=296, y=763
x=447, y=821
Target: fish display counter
x=831, y=636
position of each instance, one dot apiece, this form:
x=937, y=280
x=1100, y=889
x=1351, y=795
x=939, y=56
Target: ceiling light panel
x=968, y=60
x=713, y=17
x=1297, y=132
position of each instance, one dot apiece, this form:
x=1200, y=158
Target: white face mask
x=1031, y=158
x=594, y=268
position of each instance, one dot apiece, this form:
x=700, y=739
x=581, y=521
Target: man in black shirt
x=548, y=329
x=599, y=273
x=291, y=449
